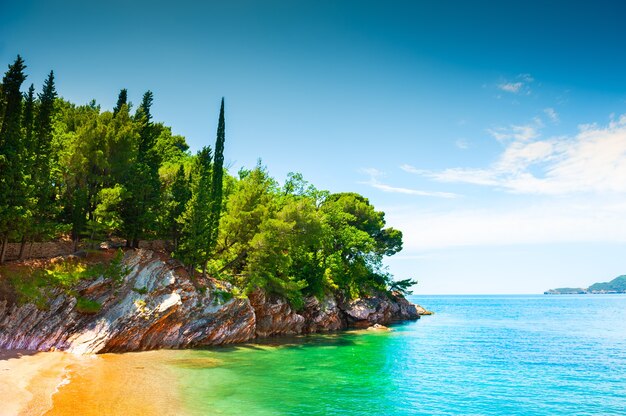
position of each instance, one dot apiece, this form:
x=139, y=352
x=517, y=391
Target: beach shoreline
x=30, y=379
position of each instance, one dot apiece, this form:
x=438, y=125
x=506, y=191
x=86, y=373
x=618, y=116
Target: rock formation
x=157, y=306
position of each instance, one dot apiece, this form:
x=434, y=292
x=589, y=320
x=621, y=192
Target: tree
x=402, y=286
x=122, y=99
x=12, y=179
x=177, y=197
x=195, y=221
x=217, y=179
x=41, y=169
x=247, y=208
x=27, y=162
x=142, y=183
x=28, y=119
x=355, y=243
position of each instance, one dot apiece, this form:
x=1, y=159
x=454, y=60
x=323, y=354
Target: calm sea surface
x=479, y=355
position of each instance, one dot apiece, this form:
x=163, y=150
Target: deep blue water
x=478, y=355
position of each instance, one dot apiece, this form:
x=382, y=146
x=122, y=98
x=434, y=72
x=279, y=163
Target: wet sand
x=56, y=383
x=28, y=380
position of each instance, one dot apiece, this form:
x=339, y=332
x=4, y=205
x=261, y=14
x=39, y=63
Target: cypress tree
x=12, y=183
x=122, y=99
x=217, y=179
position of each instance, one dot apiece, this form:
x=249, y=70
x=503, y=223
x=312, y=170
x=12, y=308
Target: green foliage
x=296, y=241
x=175, y=196
x=42, y=162
x=13, y=179
x=30, y=287
x=195, y=220
x=122, y=100
x=141, y=182
x=402, y=286
x=87, y=306
x=100, y=174
x=170, y=148
x=616, y=285
x=221, y=296
x=35, y=285
x=116, y=270
x=217, y=179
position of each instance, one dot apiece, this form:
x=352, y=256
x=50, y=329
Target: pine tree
x=180, y=195
x=143, y=184
x=122, y=99
x=28, y=119
x=42, y=146
x=196, y=231
x=27, y=162
x=12, y=183
x=217, y=179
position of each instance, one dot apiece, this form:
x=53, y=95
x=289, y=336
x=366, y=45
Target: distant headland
x=617, y=285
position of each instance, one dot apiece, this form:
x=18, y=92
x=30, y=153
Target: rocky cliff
x=157, y=306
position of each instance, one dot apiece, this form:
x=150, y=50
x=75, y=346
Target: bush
x=140, y=290
x=87, y=306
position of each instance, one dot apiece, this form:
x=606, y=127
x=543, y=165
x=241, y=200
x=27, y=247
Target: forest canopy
x=91, y=174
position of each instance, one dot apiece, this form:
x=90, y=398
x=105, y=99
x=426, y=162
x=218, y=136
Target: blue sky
x=491, y=134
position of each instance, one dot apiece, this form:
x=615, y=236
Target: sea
x=477, y=355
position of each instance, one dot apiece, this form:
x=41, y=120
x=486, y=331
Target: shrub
x=87, y=306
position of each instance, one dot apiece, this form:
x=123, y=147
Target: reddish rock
x=274, y=316
x=157, y=306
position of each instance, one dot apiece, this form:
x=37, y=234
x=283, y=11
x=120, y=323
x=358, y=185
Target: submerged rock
x=378, y=327
x=157, y=306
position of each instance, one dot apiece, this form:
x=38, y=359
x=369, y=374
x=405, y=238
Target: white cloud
x=557, y=222
x=376, y=184
x=512, y=87
x=526, y=78
x=552, y=115
x=592, y=161
x=516, y=132
x=519, y=86
x=462, y=144
x=413, y=169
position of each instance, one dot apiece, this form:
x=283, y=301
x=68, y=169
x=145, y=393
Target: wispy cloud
x=558, y=221
x=516, y=132
x=462, y=144
x=592, y=161
x=513, y=87
x=374, y=182
x=521, y=85
x=552, y=115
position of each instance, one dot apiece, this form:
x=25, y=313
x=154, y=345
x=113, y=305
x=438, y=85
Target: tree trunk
x=22, y=248
x=3, y=250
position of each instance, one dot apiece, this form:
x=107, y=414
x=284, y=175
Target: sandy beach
x=57, y=383
x=29, y=380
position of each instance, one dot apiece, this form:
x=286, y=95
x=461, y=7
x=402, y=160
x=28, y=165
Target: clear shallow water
x=479, y=355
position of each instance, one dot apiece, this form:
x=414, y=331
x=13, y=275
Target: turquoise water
x=479, y=355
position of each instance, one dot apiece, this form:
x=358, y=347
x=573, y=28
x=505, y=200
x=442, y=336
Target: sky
x=493, y=134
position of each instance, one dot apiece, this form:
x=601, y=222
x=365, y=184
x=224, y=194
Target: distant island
x=617, y=285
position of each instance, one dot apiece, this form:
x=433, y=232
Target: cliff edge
x=156, y=305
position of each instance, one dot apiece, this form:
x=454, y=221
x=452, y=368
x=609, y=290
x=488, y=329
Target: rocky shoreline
x=157, y=306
